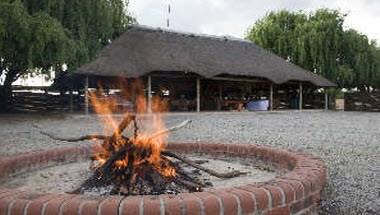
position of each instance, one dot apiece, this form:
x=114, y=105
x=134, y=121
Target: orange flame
x=105, y=106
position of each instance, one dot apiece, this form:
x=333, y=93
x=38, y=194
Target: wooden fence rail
x=37, y=102
x=360, y=101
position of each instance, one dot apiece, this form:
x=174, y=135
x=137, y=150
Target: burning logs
x=140, y=164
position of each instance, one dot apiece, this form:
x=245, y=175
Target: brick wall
x=296, y=192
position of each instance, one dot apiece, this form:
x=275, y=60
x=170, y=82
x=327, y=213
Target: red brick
x=252, y=150
x=191, y=203
x=189, y=147
x=268, y=153
x=297, y=206
x=195, y=147
x=4, y=203
x=173, y=204
x=306, y=186
x=285, y=159
x=315, y=183
x=309, y=161
x=110, y=205
x=238, y=149
x=6, y=168
x=278, y=211
x=288, y=190
x=247, y=150
x=210, y=202
x=53, y=206
x=230, y=205
x=214, y=148
x=297, y=186
x=3, y=168
x=301, y=205
x=35, y=207
x=262, y=198
x=19, y=206
x=71, y=206
x=276, y=195
x=152, y=205
x=247, y=201
x=21, y=161
x=130, y=205
x=309, y=211
x=316, y=197
x=174, y=146
x=6, y=199
x=89, y=207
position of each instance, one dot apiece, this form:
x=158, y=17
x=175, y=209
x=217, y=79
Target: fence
x=360, y=101
x=28, y=101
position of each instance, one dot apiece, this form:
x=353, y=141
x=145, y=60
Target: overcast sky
x=233, y=17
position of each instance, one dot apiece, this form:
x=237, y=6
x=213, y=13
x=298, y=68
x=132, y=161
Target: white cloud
x=233, y=17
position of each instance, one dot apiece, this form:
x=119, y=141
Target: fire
x=150, y=146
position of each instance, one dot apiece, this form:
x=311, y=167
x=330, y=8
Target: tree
x=92, y=23
x=28, y=42
x=319, y=43
x=39, y=36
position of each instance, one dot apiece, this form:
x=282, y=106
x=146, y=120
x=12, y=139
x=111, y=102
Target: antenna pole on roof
x=168, y=15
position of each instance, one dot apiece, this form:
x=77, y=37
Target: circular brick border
x=296, y=192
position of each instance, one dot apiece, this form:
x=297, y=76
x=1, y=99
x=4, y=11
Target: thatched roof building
x=142, y=50
x=204, y=72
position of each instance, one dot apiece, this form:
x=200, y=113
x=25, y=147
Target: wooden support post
x=220, y=99
x=149, y=108
x=271, y=97
x=326, y=100
x=300, y=103
x=86, y=98
x=198, y=95
x=71, y=101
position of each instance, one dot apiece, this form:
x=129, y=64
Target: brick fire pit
x=296, y=192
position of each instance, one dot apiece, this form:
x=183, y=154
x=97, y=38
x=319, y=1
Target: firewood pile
x=140, y=165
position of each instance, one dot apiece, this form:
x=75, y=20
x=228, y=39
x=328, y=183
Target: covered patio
x=204, y=73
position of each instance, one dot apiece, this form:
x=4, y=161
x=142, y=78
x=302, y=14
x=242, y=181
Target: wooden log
x=171, y=129
x=204, y=169
x=77, y=139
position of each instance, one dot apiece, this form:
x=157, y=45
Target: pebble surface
x=349, y=142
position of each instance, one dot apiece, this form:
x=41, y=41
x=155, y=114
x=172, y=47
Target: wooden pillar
x=326, y=100
x=300, y=103
x=220, y=99
x=86, y=98
x=198, y=95
x=271, y=97
x=71, y=101
x=149, y=108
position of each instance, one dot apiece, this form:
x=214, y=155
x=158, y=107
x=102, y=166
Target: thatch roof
x=142, y=50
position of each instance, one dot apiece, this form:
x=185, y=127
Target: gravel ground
x=349, y=142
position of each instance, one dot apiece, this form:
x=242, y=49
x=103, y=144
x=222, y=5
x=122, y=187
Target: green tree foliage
x=318, y=42
x=38, y=36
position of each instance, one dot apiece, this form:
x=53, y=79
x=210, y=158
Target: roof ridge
x=190, y=34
